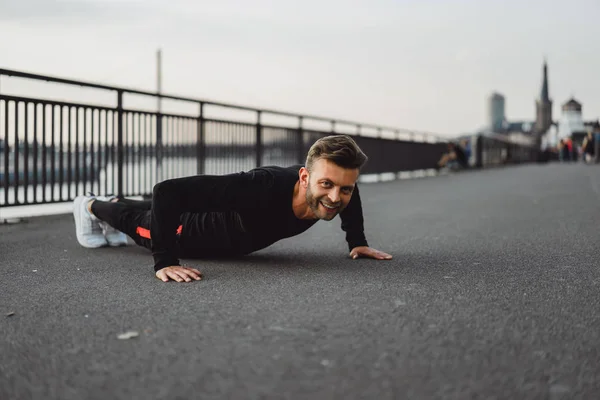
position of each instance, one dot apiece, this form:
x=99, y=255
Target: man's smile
x=329, y=208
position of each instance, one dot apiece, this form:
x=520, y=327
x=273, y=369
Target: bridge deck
x=492, y=293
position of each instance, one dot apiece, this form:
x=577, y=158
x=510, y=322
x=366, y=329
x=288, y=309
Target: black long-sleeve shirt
x=236, y=214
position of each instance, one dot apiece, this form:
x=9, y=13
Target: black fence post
x=200, y=149
x=120, y=143
x=26, y=155
x=259, y=143
x=300, y=142
x=7, y=155
x=159, y=148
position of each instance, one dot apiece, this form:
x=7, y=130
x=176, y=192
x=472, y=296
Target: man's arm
x=353, y=222
x=171, y=198
x=353, y=225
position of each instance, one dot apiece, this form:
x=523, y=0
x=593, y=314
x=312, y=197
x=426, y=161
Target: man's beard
x=313, y=202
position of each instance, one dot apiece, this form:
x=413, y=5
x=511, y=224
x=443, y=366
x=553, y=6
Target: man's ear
x=303, y=175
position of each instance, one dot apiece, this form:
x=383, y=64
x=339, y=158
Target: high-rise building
x=543, y=119
x=496, y=112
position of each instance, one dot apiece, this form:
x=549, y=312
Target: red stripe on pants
x=145, y=233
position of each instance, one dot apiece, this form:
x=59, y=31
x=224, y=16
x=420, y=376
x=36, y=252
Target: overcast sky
x=418, y=64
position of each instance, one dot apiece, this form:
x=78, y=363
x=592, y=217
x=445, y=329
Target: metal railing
x=497, y=149
x=52, y=151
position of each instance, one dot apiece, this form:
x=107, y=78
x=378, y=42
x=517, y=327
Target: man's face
x=328, y=188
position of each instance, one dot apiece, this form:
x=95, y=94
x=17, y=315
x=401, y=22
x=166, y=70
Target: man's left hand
x=364, y=251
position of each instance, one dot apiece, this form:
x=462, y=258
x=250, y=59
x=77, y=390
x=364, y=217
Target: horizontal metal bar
x=289, y=128
x=237, y=123
x=54, y=102
x=27, y=75
x=20, y=74
x=34, y=203
x=154, y=113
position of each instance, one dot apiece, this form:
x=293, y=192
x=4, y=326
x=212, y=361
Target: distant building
x=525, y=127
x=570, y=125
x=543, y=120
x=543, y=131
x=571, y=121
x=498, y=122
x=496, y=112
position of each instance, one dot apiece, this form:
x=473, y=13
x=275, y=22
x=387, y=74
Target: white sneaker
x=114, y=237
x=89, y=233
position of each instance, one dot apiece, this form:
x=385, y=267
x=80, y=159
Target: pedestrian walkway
x=493, y=292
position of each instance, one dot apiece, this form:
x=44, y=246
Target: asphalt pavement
x=492, y=294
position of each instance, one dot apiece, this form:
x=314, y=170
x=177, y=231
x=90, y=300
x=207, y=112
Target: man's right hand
x=179, y=274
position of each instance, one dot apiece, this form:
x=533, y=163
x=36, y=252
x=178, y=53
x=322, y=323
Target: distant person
x=589, y=147
x=564, y=148
x=235, y=214
x=561, y=150
x=569, y=147
x=454, y=159
x=575, y=151
x=466, y=145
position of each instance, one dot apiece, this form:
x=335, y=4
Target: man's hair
x=342, y=150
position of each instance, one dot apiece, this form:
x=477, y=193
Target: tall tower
x=543, y=119
x=496, y=116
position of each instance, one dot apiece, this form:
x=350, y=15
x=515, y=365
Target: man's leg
x=144, y=205
x=113, y=236
x=129, y=219
x=446, y=158
x=443, y=160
